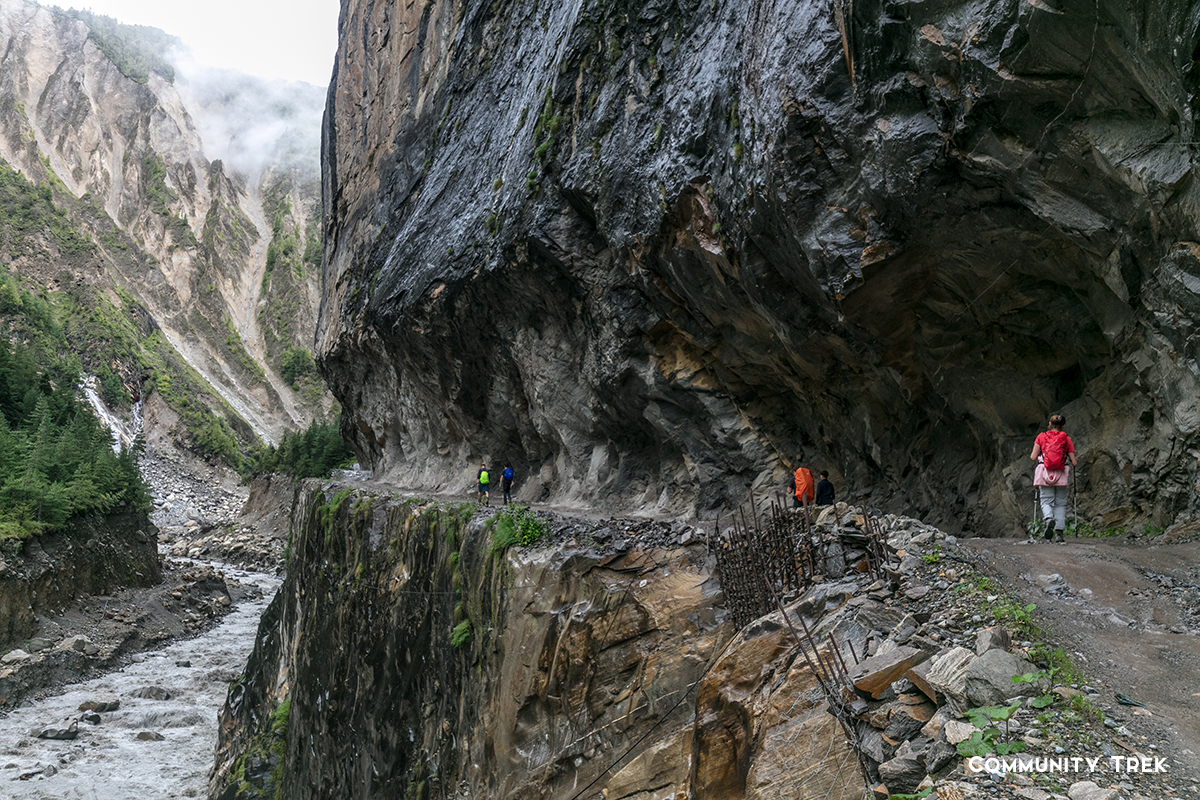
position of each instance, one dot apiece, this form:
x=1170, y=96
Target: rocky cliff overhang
x=651, y=251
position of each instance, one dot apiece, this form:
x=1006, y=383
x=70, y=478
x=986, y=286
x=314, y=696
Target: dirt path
x=1129, y=615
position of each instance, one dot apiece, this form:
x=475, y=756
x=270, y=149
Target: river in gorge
x=108, y=761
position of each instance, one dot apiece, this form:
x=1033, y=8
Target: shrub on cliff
x=516, y=525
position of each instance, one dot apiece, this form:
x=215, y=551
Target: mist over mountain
x=250, y=122
x=198, y=190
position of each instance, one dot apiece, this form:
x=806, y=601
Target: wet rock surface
x=648, y=251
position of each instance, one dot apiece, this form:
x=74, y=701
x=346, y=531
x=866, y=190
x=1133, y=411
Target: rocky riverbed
x=144, y=730
x=99, y=633
x=189, y=493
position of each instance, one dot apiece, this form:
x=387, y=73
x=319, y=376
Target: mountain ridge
x=126, y=156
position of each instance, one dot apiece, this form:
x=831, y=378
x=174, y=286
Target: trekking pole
x=1075, y=499
x=1036, y=514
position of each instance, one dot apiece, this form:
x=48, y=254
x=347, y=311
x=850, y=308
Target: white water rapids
x=108, y=761
x=123, y=432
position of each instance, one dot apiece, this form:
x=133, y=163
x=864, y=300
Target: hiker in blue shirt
x=506, y=480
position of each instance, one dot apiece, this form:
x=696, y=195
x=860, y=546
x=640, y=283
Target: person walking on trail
x=1052, y=450
x=506, y=479
x=484, y=480
x=824, y=490
x=802, y=485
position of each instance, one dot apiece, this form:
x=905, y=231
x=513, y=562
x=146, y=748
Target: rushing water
x=123, y=432
x=108, y=761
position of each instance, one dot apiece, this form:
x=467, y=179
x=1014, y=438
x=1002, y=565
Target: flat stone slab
x=919, y=675
x=988, y=681
x=1087, y=790
x=948, y=674
x=875, y=674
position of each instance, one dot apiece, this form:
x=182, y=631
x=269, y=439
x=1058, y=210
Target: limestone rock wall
x=651, y=251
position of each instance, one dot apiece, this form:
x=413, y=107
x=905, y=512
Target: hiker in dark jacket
x=506, y=482
x=824, y=490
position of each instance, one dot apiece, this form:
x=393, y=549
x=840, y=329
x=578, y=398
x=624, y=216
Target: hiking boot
x=1058, y=538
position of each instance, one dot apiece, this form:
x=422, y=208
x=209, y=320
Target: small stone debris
x=909, y=719
x=957, y=731
x=100, y=706
x=151, y=693
x=56, y=732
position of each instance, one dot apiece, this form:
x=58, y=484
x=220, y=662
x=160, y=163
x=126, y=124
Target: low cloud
x=250, y=122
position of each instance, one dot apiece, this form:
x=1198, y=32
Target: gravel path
x=1128, y=613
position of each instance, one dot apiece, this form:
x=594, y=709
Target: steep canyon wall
x=406, y=656
x=651, y=251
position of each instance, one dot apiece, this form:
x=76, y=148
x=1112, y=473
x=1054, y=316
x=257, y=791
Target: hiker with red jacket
x=1052, y=449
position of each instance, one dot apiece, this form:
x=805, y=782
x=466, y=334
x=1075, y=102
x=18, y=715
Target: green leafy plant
x=918, y=796
x=1020, y=616
x=1044, y=700
x=1086, y=708
x=987, y=739
x=1057, y=662
x=461, y=633
x=516, y=525
x=1080, y=529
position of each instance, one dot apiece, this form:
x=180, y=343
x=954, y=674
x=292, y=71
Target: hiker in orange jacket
x=802, y=485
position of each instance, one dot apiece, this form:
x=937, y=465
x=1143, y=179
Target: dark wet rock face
x=646, y=250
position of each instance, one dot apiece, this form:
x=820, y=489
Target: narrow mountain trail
x=1128, y=615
